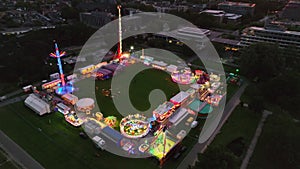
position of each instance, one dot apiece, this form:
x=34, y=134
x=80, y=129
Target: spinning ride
x=134, y=126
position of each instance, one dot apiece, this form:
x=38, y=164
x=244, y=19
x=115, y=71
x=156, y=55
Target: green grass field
x=139, y=89
x=56, y=144
x=241, y=124
x=278, y=146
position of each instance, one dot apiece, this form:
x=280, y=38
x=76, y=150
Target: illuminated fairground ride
x=161, y=146
x=73, y=119
x=203, y=78
x=164, y=111
x=184, y=76
x=63, y=87
x=134, y=126
x=111, y=121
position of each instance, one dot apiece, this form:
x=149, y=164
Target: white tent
x=36, y=104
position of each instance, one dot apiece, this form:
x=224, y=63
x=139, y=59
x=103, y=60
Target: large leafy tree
x=261, y=60
x=284, y=91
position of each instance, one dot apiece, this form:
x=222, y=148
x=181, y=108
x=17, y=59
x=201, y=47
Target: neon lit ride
x=184, y=77
x=63, y=88
x=134, y=126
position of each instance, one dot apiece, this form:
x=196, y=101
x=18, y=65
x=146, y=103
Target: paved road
x=13, y=100
x=17, y=153
x=19, y=91
x=254, y=139
x=191, y=158
x=14, y=93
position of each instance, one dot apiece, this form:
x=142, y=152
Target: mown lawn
x=278, y=146
x=56, y=144
x=241, y=125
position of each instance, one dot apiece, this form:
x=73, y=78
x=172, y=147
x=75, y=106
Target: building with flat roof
x=223, y=16
x=269, y=34
x=240, y=8
x=193, y=32
x=185, y=33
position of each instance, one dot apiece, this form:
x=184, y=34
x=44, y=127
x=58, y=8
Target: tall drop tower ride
x=64, y=87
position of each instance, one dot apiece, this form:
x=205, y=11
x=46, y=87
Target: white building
x=223, y=16
x=37, y=104
x=185, y=33
x=270, y=34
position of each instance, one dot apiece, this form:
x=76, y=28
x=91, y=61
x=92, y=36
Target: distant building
x=185, y=33
x=131, y=11
x=222, y=16
x=166, y=6
x=95, y=19
x=232, y=18
x=240, y=8
x=291, y=11
x=271, y=34
x=197, y=7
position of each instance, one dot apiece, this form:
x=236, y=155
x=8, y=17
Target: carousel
x=134, y=126
x=85, y=105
